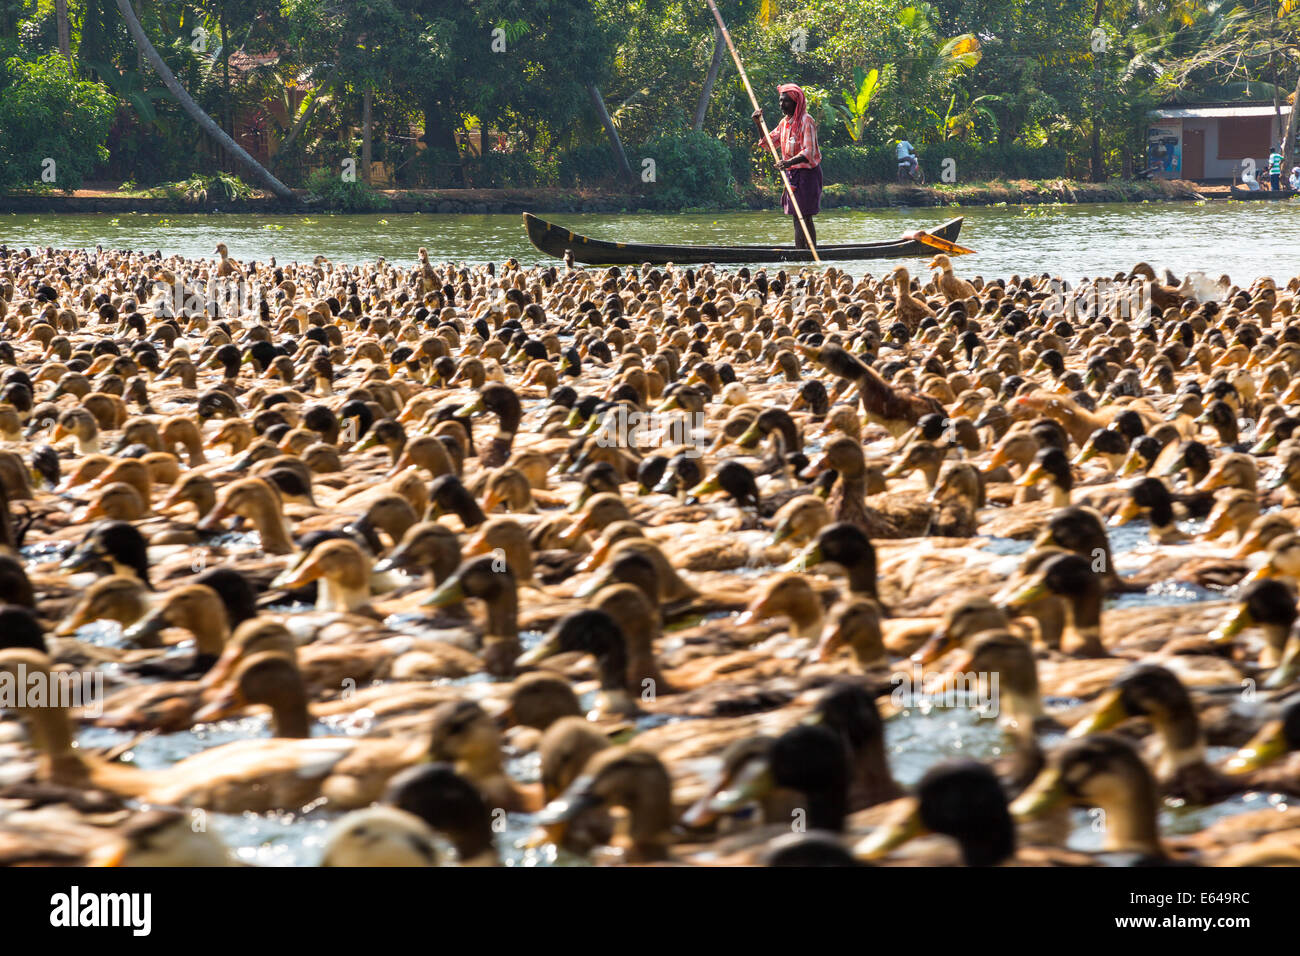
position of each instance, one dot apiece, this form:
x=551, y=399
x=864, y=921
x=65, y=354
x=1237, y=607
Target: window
x=1245, y=136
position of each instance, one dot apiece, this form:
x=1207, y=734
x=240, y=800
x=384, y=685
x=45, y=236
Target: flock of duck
x=404, y=540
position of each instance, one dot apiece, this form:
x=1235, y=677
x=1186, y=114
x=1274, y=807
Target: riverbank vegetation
x=340, y=101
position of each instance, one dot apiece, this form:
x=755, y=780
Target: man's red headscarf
x=800, y=102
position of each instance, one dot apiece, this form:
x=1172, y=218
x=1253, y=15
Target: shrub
x=691, y=169
x=857, y=165
x=201, y=189
x=47, y=112
x=586, y=165
x=330, y=188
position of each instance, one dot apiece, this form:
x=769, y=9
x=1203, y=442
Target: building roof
x=1217, y=111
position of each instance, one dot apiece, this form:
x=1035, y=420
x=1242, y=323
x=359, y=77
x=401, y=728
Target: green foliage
x=691, y=169
x=329, y=188
x=587, y=164
x=200, y=188
x=1008, y=88
x=856, y=165
x=47, y=112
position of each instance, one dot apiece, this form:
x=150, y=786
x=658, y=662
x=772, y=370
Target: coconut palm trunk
x=710, y=80
x=256, y=171
x=65, y=29
x=615, y=143
x=1292, y=126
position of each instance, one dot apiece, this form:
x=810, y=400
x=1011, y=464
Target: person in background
x=1295, y=177
x=1248, y=177
x=796, y=140
x=1275, y=169
x=905, y=153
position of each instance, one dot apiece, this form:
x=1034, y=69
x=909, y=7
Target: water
x=1244, y=240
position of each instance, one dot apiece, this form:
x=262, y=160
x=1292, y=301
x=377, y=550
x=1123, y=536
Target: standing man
x=1275, y=169
x=795, y=138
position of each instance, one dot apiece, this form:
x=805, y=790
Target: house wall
x=1215, y=168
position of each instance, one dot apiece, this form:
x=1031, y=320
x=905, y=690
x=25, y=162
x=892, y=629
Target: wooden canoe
x=1239, y=193
x=556, y=240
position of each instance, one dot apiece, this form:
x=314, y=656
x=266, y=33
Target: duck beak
x=1035, y=589
x=81, y=559
x=592, y=586
x=759, y=610
x=897, y=469
x=809, y=557
x=73, y=622
x=369, y=441
x=473, y=408
x=109, y=855
x=752, y=783
x=295, y=577
x=1265, y=444
x=819, y=466
x=749, y=439
x=1175, y=466
x=570, y=536
x=1221, y=525
x=1286, y=672
x=541, y=652
x=1264, y=748
x=706, y=486
x=144, y=632
x=1129, y=510
x=595, y=559
x=1031, y=477
x=214, y=518
x=1045, y=539
x=1088, y=454
x=1249, y=545
x=1261, y=573
x=884, y=840
x=394, y=562
x=832, y=639
x=451, y=592
x=227, y=704
x=1110, y=711
x=1046, y=792
x=1131, y=464
x=568, y=805
x=939, y=643
x=784, y=531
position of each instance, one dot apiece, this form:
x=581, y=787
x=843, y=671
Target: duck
x=246, y=775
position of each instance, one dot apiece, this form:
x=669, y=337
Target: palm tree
x=65, y=28
x=256, y=170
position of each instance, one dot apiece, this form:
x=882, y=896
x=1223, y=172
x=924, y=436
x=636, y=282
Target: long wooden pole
x=767, y=137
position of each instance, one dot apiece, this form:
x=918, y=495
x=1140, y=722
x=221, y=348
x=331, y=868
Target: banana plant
x=854, y=112
x=960, y=123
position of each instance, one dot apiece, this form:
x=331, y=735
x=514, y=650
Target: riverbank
x=498, y=201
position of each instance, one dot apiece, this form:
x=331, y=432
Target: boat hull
x=1250, y=194
x=556, y=240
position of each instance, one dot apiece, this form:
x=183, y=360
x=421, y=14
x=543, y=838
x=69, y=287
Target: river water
x=1242, y=239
